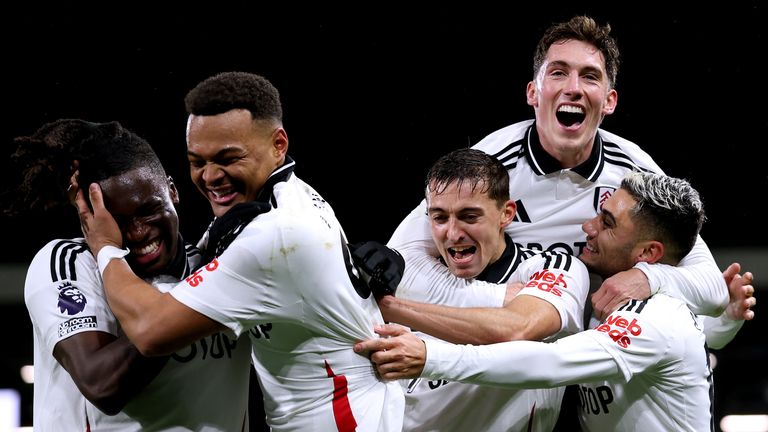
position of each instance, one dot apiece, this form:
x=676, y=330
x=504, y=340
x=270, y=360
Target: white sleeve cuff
x=653, y=282
x=106, y=254
x=441, y=356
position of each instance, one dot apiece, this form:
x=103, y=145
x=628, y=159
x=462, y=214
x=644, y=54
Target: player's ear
x=279, y=142
x=531, y=95
x=508, y=213
x=172, y=190
x=650, y=251
x=611, y=99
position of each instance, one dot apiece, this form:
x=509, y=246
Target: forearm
x=569, y=361
x=121, y=374
x=457, y=325
x=108, y=371
x=135, y=303
x=721, y=330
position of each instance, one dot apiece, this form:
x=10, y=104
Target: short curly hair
x=235, y=90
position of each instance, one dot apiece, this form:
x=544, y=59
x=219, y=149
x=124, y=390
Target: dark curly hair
x=44, y=162
x=235, y=90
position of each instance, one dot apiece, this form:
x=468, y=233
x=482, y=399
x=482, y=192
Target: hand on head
x=99, y=227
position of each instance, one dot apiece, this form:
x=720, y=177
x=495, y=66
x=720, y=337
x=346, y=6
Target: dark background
x=373, y=94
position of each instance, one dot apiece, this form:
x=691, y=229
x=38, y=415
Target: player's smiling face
x=570, y=95
x=467, y=227
x=612, y=244
x=142, y=203
x=231, y=156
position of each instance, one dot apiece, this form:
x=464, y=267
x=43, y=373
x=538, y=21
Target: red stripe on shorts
x=342, y=412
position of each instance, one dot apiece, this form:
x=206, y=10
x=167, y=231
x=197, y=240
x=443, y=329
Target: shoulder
x=286, y=225
x=665, y=317
x=618, y=147
x=547, y=269
x=296, y=196
x=502, y=138
x=552, y=260
x=66, y=265
x=668, y=310
x=63, y=254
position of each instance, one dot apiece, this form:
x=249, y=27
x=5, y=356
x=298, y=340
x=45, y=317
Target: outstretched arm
x=155, y=322
x=577, y=358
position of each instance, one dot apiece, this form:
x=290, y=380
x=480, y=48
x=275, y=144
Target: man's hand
x=383, y=265
x=741, y=293
x=98, y=226
x=398, y=354
x=619, y=289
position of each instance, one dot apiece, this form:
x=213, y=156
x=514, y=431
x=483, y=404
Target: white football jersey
x=287, y=281
x=553, y=203
x=203, y=387
x=441, y=405
x=646, y=364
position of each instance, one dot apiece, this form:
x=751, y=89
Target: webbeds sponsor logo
x=548, y=281
x=196, y=278
x=620, y=329
x=77, y=323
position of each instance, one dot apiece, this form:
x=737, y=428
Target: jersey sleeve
x=284, y=266
x=414, y=233
x=696, y=280
x=570, y=360
x=240, y=287
x=627, y=343
x=638, y=337
x=563, y=281
x=721, y=330
x=426, y=279
x=63, y=293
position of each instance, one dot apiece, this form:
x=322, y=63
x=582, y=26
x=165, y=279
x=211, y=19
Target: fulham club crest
x=602, y=193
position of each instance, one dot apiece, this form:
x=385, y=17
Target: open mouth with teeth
x=569, y=115
x=143, y=255
x=221, y=197
x=460, y=254
x=589, y=250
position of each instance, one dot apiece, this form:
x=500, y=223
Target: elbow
x=497, y=336
x=527, y=330
x=109, y=406
x=149, y=342
x=104, y=396
x=149, y=345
